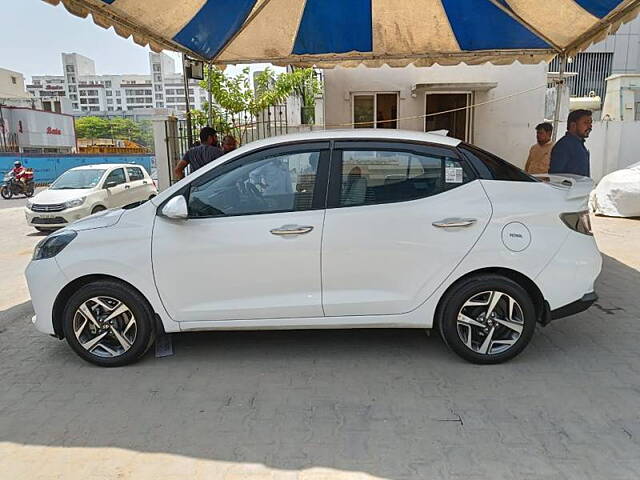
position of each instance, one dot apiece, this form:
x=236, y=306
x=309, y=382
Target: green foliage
x=115, y=128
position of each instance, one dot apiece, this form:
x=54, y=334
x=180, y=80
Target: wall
x=49, y=167
x=613, y=145
x=505, y=127
x=8, y=89
x=36, y=128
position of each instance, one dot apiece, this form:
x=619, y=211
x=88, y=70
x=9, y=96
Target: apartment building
x=92, y=94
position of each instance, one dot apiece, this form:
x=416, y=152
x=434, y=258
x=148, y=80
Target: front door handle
x=127, y=187
x=292, y=230
x=454, y=222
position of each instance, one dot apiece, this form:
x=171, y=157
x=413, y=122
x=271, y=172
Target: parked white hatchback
x=82, y=191
x=336, y=229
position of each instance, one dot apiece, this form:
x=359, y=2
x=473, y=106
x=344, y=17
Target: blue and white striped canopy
x=350, y=32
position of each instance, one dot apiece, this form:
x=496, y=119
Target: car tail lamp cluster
x=578, y=221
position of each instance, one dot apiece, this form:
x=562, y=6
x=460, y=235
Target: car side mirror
x=110, y=184
x=176, y=208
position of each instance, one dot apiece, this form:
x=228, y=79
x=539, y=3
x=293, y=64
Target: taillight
x=578, y=221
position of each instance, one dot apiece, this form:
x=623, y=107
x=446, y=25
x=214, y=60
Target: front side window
x=280, y=183
x=135, y=174
x=116, y=177
x=370, y=177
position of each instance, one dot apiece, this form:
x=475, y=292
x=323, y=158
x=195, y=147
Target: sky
x=34, y=34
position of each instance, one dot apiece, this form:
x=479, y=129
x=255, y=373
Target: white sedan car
x=336, y=229
x=82, y=191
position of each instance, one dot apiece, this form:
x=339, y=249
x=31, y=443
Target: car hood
x=48, y=196
x=106, y=218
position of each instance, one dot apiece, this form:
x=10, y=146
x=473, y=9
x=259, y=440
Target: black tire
x=453, y=301
x=29, y=191
x=151, y=196
x=138, y=306
x=44, y=230
x=97, y=208
x=6, y=193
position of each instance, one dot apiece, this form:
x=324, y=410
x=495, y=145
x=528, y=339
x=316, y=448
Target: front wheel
x=6, y=192
x=487, y=319
x=108, y=324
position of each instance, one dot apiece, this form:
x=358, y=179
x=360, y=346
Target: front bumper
x=56, y=219
x=45, y=281
x=572, y=308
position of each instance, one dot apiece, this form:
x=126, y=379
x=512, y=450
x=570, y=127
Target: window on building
x=157, y=88
x=159, y=104
x=375, y=110
x=85, y=109
x=73, y=96
x=14, y=80
x=108, y=93
x=37, y=82
x=180, y=91
x=148, y=92
x=109, y=109
x=139, y=92
x=46, y=106
x=109, y=101
x=74, y=106
x=107, y=84
x=156, y=67
x=94, y=109
x=73, y=88
x=83, y=101
x=118, y=101
x=157, y=77
x=118, y=93
x=170, y=91
x=158, y=96
x=70, y=69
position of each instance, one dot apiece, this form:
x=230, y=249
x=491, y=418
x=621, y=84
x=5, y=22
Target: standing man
x=569, y=155
x=198, y=157
x=540, y=153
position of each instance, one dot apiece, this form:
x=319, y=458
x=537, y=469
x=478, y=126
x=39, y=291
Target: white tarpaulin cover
x=372, y=32
x=618, y=194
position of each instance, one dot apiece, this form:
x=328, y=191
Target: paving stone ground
x=315, y=405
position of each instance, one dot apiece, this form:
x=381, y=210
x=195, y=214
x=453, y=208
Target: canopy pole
x=186, y=100
x=559, y=90
x=210, y=96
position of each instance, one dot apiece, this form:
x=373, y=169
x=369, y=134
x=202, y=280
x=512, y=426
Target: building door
x=457, y=122
x=375, y=110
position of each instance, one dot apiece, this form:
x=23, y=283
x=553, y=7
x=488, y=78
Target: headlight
x=29, y=204
x=75, y=203
x=53, y=244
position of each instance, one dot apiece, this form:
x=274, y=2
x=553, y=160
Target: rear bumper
x=572, y=308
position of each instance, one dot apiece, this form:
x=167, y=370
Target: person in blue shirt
x=569, y=154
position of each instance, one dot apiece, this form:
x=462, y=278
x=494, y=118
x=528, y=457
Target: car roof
x=380, y=134
x=105, y=166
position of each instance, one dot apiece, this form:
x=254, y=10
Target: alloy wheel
x=490, y=322
x=105, y=327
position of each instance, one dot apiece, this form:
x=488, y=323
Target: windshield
x=72, y=179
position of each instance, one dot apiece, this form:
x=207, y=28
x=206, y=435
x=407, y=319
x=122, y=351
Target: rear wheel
x=487, y=319
x=108, y=324
x=29, y=191
x=6, y=192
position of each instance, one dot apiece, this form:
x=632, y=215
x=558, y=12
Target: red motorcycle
x=14, y=187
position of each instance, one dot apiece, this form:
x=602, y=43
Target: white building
x=12, y=85
x=126, y=95
x=369, y=97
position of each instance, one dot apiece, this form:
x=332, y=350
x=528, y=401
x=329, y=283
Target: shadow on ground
x=392, y=403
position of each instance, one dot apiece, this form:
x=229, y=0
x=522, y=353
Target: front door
x=387, y=245
x=250, y=248
x=117, y=188
x=449, y=111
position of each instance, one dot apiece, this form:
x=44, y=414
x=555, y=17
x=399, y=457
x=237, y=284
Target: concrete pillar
x=162, y=125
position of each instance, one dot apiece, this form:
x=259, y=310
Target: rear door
x=139, y=185
x=400, y=218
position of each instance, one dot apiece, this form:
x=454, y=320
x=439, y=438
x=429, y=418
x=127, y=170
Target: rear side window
x=492, y=167
x=135, y=174
x=371, y=177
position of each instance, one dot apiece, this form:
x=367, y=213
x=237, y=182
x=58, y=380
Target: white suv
x=336, y=229
x=82, y=191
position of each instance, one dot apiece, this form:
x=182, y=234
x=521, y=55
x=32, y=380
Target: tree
x=92, y=127
x=116, y=128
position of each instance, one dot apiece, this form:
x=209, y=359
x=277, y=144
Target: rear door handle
x=292, y=230
x=127, y=187
x=454, y=222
